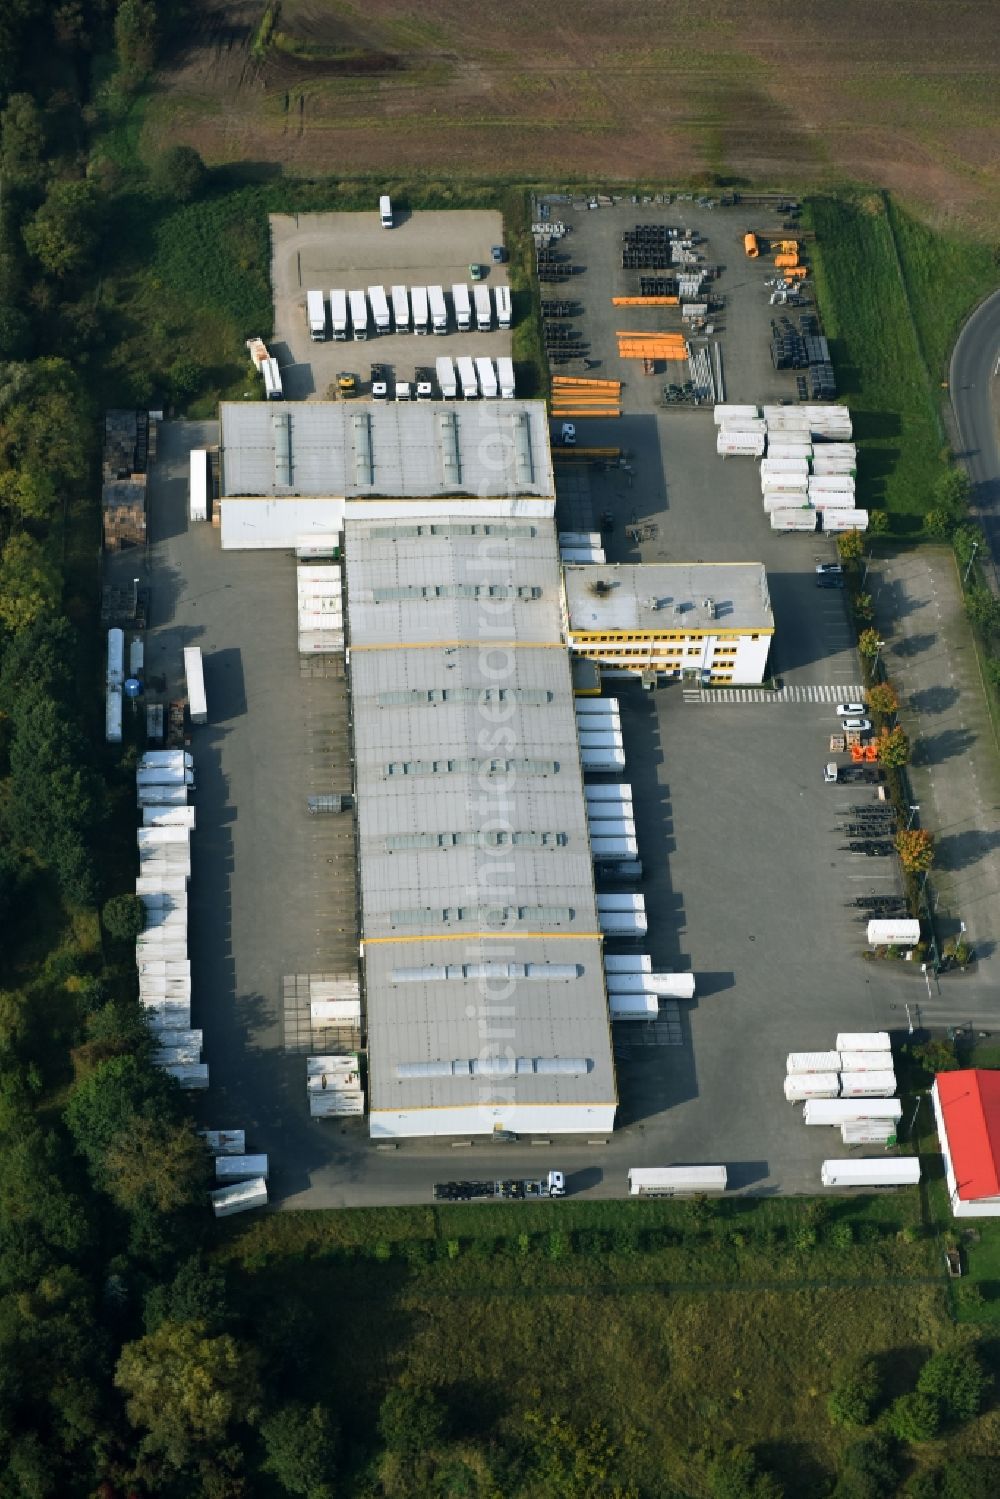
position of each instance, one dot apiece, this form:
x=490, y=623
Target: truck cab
x=830, y=773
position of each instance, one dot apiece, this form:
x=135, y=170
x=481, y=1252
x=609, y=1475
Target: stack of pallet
x=573, y=397
x=123, y=468
x=633, y=345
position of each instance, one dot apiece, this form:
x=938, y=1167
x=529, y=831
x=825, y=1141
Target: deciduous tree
x=893, y=748
x=915, y=847
x=882, y=699
x=301, y=1446
x=62, y=235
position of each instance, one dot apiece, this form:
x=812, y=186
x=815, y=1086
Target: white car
x=857, y=726
x=849, y=710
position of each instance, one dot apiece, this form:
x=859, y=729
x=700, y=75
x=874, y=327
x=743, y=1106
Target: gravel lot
x=324, y=250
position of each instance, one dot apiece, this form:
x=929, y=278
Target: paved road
x=975, y=396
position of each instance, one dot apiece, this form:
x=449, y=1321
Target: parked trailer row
x=349, y=310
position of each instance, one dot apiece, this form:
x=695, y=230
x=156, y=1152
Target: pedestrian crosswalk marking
x=719, y=696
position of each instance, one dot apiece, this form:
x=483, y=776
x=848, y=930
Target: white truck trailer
x=198, y=484
x=484, y=308
x=675, y=1181
x=800, y=1086
x=113, y=709
x=445, y=372
x=812, y=1061
x=505, y=375
x=467, y=377
x=233, y=1168
x=418, y=302
x=502, y=297
x=316, y=315
x=338, y=313
x=239, y=1198
x=116, y=658
x=487, y=378
x=462, y=304
x=380, y=309
x=194, y=674
x=273, y=388
x=872, y=1171
x=863, y=1041
x=893, y=933
x=868, y=1084
x=401, y=309
x=359, y=313
x=438, y=309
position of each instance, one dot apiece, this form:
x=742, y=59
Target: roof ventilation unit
x=448, y=433
x=364, y=467
x=282, y=425
x=524, y=468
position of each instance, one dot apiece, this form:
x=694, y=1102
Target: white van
x=385, y=211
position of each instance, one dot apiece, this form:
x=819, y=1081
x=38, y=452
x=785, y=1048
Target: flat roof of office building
x=699, y=597
x=409, y=449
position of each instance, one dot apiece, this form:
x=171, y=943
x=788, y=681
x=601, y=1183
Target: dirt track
x=667, y=89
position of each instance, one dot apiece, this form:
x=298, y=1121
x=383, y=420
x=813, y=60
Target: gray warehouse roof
x=662, y=597
x=471, y=816
x=396, y=449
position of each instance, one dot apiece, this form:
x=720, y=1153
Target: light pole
x=914, y=807
x=879, y=646
x=975, y=549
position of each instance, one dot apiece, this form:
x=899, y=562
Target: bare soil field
x=792, y=94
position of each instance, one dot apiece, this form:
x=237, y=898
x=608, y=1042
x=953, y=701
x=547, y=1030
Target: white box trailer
x=359, y=313
x=338, y=313
x=161, y=796
x=164, y=1016
x=633, y=1006
x=666, y=985
x=623, y=923
x=613, y=850
x=316, y=315
x=812, y=1061
x=231, y=1168
x=335, y=1105
x=778, y=449
x=581, y=557
x=623, y=827
x=462, y=304
x=380, y=309
x=239, y=1198
x=868, y=1084
x=113, y=715
x=116, y=658
x=191, y=1076
x=444, y=369
x=504, y=310
x=418, y=302
x=675, y=1181
x=318, y=544
x=774, y=468
x=868, y=1132
x=168, y=817
x=865, y=1061
x=863, y=1041
x=725, y=414
x=225, y=1141
x=620, y=901
x=844, y=1110
x=150, y=758
x=801, y=518
x=484, y=307
x=185, y=1054
x=164, y=775
x=194, y=674
x=438, y=309
x=610, y=793
x=159, y=883
x=740, y=444
x=158, y=837
x=629, y=962
x=486, y=375
x=609, y=739
x=802, y=1085
x=467, y=378
x=273, y=389
x=401, y=309
x=602, y=762
x=198, y=484
x=893, y=933
x=872, y=1171
x=335, y=1011
x=607, y=810
x=845, y=520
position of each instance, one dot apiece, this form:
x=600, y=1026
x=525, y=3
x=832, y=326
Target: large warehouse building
x=483, y=969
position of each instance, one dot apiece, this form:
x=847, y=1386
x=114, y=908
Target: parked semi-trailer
x=675, y=1181
x=462, y=305
x=195, y=676
x=401, y=309
x=316, y=315
x=445, y=371
x=418, y=301
x=467, y=377
x=487, y=378
x=438, y=309
x=515, y=1190
x=198, y=485
x=338, y=312
x=484, y=308
x=502, y=295
x=872, y=1171
x=505, y=374
x=380, y=309
x=359, y=313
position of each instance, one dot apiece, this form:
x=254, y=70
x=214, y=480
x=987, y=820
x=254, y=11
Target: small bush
x=957, y=1382
x=124, y=917
x=805, y=1237
x=855, y=1393
x=915, y=1417
x=382, y=1251
x=454, y=1249
x=558, y=1246
x=841, y=1235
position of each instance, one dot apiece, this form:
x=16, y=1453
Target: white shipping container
x=239, y=1198
x=812, y=1061
x=865, y=1061
x=842, y=1110
x=623, y=827
x=578, y=557
x=669, y=1181
x=161, y=837
x=846, y=520
x=176, y=758
x=725, y=413
x=788, y=449
x=335, y=1105
x=667, y=985
x=225, y=1141
x=598, y=812
x=318, y=544
x=623, y=923
x=740, y=445
x=150, y=884
x=620, y=901
x=116, y=658
x=602, y=762
x=168, y=817
x=803, y=1085
x=868, y=1084
x=800, y=519
x=335, y=1011
x=136, y=656
x=880, y=1171
x=195, y=677
x=231, y=1168
x=161, y=796
x=788, y=498
x=893, y=933
x=164, y=775
x=600, y=739
x=198, y=485
x=868, y=1132
x=771, y=467
x=863, y=1041
x=113, y=710
x=187, y=1054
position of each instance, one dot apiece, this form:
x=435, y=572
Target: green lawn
x=643, y=1317
x=945, y=278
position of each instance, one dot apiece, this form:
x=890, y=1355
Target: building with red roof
x=967, y=1110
